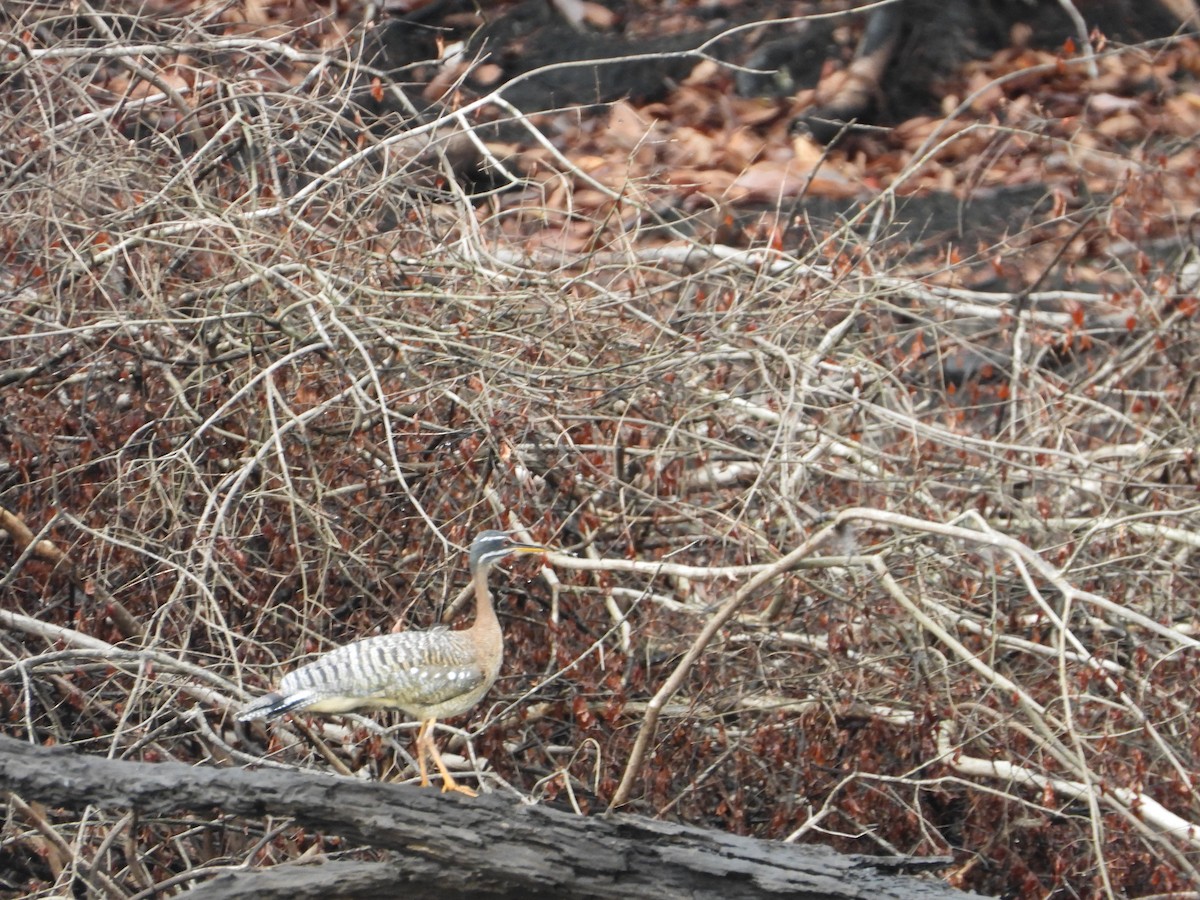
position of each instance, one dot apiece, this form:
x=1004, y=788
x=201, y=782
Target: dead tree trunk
x=450, y=846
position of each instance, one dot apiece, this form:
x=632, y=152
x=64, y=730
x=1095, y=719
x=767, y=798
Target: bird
x=426, y=674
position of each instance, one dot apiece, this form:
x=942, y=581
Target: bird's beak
x=522, y=547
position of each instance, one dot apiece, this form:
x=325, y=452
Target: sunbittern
x=428, y=675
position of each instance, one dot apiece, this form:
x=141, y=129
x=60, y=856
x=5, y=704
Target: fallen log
x=443, y=845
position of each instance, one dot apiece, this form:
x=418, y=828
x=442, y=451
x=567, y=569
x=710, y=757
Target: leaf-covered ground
x=873, y=467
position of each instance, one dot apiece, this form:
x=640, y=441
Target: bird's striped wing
x=410, y=669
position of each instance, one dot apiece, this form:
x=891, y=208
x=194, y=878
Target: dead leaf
x=772, y=180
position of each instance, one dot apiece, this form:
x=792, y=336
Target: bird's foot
x=449, y=784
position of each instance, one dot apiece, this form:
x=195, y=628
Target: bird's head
x=489, y=547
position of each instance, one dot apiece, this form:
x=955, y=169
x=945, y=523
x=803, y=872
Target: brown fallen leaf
x=772, y=179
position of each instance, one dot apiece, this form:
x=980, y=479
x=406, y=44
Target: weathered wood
x=412, y=879
x=446, y=845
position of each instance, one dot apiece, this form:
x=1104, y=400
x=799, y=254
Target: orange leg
x=426, y=745
x=422, y=737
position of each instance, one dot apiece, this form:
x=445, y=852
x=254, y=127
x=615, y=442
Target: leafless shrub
x=265, y=372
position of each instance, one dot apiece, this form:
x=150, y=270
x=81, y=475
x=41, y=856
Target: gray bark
x=445, y=846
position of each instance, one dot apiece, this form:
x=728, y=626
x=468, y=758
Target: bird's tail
x=272, y=706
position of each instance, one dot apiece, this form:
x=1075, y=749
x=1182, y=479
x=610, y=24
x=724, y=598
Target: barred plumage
x=422, y=673
x=428, y=675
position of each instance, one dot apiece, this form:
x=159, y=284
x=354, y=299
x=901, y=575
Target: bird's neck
x=485, y=613
x=485, y=630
